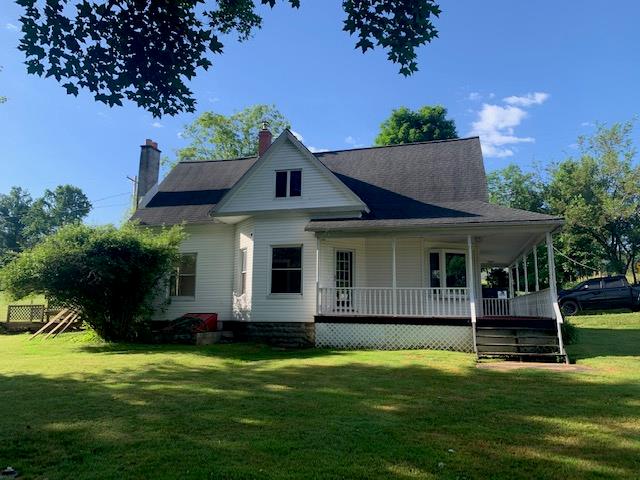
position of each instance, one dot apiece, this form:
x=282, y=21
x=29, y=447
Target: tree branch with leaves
x=147, y=51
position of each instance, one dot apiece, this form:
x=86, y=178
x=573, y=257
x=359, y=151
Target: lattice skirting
x=393, y=337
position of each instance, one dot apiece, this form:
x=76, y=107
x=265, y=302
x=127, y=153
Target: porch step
x=533, y=341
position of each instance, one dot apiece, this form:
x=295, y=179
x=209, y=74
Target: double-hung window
x=286, y=269
x=243, y=271
x=182, y=282
x=288, y=183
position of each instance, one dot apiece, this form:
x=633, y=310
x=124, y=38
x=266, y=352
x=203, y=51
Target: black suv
x=603, y=293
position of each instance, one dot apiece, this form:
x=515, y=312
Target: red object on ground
x=209, y=321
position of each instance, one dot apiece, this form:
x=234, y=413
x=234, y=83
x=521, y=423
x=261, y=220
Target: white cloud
x=353, y=142
x=496, y=128
x=213, y=99
x=587, y=124
x=535, y=98
x=10, y=26
x=157, y=125
x=298, y=136
x=316, y=149
x=180, y=135
x=496, y=124
x=473, y=96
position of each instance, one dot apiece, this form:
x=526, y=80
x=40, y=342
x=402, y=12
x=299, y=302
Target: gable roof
x=285, y=136
x=191, y=190
x=410, y=185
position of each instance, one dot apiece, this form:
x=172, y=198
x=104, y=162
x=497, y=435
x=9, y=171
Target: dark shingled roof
x=191, y=190
x=412, y=185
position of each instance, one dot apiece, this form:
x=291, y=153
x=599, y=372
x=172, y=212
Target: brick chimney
x=149, y=168
x=264, y=138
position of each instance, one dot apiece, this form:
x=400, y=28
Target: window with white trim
x=286, y=269
x=182, y=282
x=288, y=183
x=447, y=269
x=243, y=271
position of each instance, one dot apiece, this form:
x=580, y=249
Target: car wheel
x=570, y=308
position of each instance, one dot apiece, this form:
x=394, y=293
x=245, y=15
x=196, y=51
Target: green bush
x=569, y=332
x=111, y=276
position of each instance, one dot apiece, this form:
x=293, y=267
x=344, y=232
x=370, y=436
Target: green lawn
x=75, y=409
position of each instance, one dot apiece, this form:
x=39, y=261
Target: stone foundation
x=281, y=334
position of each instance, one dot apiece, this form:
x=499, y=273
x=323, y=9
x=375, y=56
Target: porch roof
x=446, y=214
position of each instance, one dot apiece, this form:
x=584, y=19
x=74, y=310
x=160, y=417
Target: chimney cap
x=265, y=125
x=150, y=143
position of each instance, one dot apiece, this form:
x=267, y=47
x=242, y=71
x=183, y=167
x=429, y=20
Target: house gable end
x=256, y=190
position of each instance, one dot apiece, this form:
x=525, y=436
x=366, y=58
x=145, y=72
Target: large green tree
x=146, y=51
x=514, y=188
x=599, y=196
x=23, y=221
x=423, y=125
x=213, y=136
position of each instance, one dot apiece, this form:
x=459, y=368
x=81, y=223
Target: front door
x=344, y=278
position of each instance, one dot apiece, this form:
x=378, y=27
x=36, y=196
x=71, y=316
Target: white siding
x=379, y=262
x=214, y=272
x=267, y=307
x=258, y=193
x=243, y=240
x=328, y=249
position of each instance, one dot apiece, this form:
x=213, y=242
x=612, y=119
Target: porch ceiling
x=498, y=247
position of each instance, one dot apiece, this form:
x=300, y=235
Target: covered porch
x=434, y=277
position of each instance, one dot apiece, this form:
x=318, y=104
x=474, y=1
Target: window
x=614, y=283
x=183, y=280
x=591, y=284
x=447, y=269
x=288, y=183
x=456, y=268
x=243, y=271
x=286, y=270
x=434, y=269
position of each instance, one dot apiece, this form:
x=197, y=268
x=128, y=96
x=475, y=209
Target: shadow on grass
x=248, y=352
x=604, y=342
x=317, y=420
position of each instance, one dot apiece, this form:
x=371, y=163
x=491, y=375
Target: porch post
x=517, y=277
x=552, y=278
x=553, y=291
x=317, y=275
x=535, y=267
x=394, y=285
x=472, y=291
x=526, y=274
x=510, y=269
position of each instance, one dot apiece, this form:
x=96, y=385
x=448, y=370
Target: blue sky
x=529, y=77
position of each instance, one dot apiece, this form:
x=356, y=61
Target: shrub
x=569, y=332
x=111, y=276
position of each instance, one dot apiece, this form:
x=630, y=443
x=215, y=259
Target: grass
x=5, y=301
x=70, y=408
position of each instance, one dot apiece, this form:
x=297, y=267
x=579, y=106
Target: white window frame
x=288, y=187
x=178, y=275
x=244, y=260
x=270, y=273
x=442, y=253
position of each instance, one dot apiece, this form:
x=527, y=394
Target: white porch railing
x=535, y=304
x=406, y=302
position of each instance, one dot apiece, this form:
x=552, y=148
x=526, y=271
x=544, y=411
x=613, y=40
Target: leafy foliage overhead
x=146, y=51
x=111, y=276
x=426, y=124
x=213, y=136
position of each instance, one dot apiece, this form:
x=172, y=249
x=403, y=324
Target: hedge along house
x=366, y=248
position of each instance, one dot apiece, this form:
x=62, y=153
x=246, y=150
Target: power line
x=574, y=261
x=110, y=196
